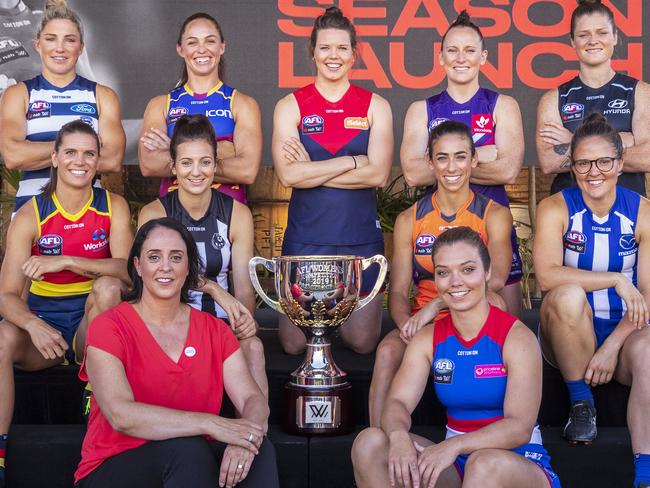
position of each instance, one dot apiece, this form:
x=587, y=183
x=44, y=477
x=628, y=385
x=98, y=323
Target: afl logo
x=312, y=124
x=50, y=245
x=572, y=108
x=576, y=237
x=83, y=108
x=178, y=112
x=443, y=371
x=627, y=242
x=575, y=241
x=217, y=241
x=423, y=244
x=99, y=234
x=436, y=122
x=39, y=106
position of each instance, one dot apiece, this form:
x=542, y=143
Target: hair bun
x=463, y=18
x=50, y=4
x=333, y=12
x=589, y=2
x=595, y=118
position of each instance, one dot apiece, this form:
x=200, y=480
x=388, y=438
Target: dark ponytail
x=332, y=18
x=591, y=7
x=463, y=20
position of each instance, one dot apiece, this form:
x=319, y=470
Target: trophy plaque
x=318, y=294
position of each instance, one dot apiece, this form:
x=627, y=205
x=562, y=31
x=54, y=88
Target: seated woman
x=223, y=230
x=487, y=371
x=71, y=243
x=591, y=255
x=159, y=368
x=451, y=159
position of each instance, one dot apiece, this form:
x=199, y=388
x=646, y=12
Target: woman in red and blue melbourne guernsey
x=71, y=243
x=333, y=144
x=486, y=368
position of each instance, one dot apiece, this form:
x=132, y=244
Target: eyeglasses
x=583, y=166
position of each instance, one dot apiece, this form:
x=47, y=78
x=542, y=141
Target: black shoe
x=581, y=426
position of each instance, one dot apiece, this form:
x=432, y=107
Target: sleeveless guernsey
x=212, y=235
x=615, y=100
x=50, y=107
x=477, y=114
x=59, y=298
x=603, y=244
x=217, y=106
x=333, y=216
x=428, y=224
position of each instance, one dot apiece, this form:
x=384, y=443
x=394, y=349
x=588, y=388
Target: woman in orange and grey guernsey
x=201, y=90
x=71, y=242
x=33, y=111
x=451, y=159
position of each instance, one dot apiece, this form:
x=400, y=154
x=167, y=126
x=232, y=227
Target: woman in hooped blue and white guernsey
x=623, y=100
x=33, y=111
x=591, y=257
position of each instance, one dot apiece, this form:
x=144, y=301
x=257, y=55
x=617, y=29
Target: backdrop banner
x=130, y=46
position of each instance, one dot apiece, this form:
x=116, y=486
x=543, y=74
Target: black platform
x=46, y=436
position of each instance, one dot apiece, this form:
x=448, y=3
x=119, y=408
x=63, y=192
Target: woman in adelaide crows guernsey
x=494, y=120
x=623, y=100
x=487, y=371
x=71, y=243
x=223, y=230
x=451, y=158
x=33, y=111
x=201, y=90
x=333, y=144
x=591, y=255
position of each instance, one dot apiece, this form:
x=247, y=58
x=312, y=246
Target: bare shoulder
x=552, y=204
x=643, y=90
x=379, y=103
x=506, y=102
x=245, y=102
x=152, y=210
x=643, y=219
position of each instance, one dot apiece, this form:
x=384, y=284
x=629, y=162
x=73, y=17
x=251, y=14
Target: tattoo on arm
x=561, y=149
x=92, y=274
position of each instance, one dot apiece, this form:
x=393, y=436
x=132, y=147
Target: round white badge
x=190, y=351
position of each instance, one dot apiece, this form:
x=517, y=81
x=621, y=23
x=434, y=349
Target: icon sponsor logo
x=572, y=111
x=575, y=241
x=313, y=124
x=176, y=112
x=482, y=124
x=83, y=108
x=443, y=371
x=490, y=371
x=360, y=123
x=219, y=112
x=436, y=122
x=423, y=244
x=50, y=245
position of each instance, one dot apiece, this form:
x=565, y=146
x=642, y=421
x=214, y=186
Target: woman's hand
x=155, y=140
x=37, y=266
x=235, y=464
x=403, y=461
x=417, y=321
x=237, y=432
x=48, y=340
x=433, y=460
x=637, y=310
x=555, y=134
x=600, y=369
x=240, y=318
x=294, y=150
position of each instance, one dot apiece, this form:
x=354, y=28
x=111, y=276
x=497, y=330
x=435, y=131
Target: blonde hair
x=58, y=9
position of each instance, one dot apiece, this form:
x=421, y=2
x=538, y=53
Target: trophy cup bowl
x=318, y=294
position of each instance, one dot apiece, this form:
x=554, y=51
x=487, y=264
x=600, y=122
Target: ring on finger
x=240, y=466
x=250, y=437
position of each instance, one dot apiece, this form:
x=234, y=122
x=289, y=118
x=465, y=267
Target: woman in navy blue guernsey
x=591, y=255
x=623, y=100
x=201, y=90
x=333, y=144
x=33, y=111
x=487, y=371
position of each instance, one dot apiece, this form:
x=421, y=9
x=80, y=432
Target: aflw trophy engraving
x=318, y=294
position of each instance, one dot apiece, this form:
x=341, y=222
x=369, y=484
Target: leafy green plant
x=396, y=197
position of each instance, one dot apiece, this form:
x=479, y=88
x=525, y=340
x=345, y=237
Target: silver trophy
x=318, y=294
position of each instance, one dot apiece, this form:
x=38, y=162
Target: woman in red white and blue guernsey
x=235, y=117
x=487, y=370
x=333, y=144
x=71, y=244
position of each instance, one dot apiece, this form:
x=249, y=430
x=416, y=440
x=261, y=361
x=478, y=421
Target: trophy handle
x=270, y=265
x=365, y=264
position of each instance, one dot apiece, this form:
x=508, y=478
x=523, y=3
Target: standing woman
x=201, y=90
x=70, y=244
x=496, y=126
x=223, y=230
x=623, y=100
x=333, y=144
x=33, y=111
x=452, y=157
x=486, y=369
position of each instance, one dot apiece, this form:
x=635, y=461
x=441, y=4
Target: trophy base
x=318, y=411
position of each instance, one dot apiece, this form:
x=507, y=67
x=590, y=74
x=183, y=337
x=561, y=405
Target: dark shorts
x=535, y=453
x=368, y=277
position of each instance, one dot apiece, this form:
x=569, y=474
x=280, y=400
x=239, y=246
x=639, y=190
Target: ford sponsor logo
x=178, y=112
x=572, y=108
x=83, y=108
x=50, y=241
x=39, y=106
